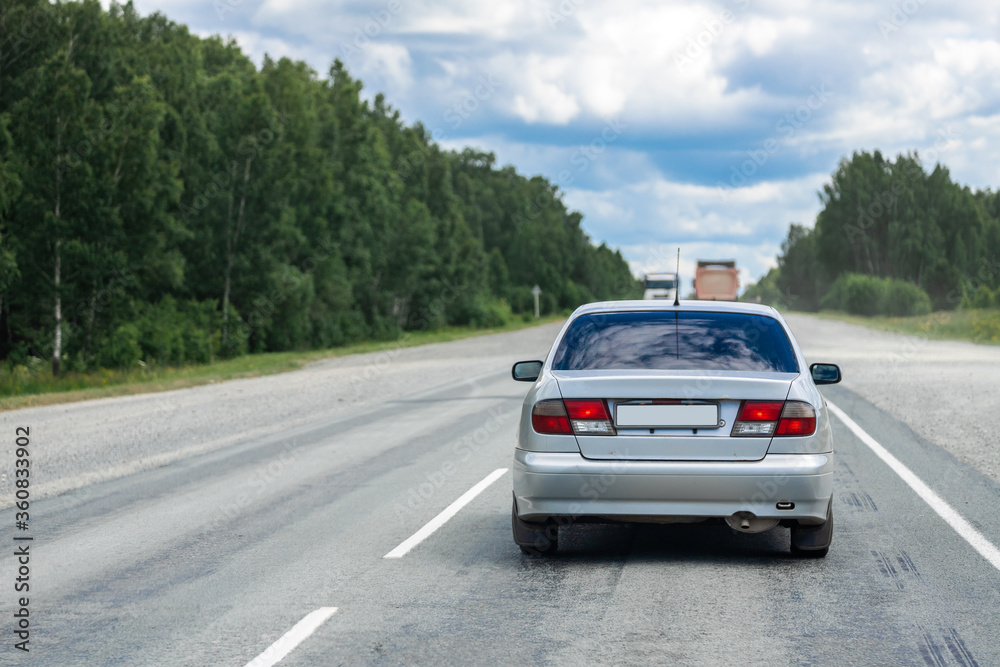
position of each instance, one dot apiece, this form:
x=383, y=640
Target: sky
x=709, y=126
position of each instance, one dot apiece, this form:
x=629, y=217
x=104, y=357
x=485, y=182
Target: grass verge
x=977, y=326
x=24, y=387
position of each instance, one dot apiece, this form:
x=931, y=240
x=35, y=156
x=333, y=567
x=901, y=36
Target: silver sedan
x=653, y=412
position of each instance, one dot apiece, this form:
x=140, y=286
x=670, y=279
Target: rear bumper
x=568, y=485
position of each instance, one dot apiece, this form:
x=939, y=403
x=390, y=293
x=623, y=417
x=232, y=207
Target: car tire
x=535, y=539
x=813, y=541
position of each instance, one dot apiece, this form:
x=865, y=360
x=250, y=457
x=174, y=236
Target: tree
x=51, y=122
x=799, y=281
x=163, y=199
x=891, y=219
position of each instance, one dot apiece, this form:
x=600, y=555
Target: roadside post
x=536, y=290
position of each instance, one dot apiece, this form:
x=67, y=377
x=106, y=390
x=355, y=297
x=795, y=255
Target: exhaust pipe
x=748, y=522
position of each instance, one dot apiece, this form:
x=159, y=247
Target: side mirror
x=825, y=373
x=526, y=371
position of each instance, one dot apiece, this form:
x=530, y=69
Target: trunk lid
x=667, y=415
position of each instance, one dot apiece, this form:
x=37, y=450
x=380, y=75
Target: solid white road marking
x=442, y=518
x=985, y=548
x=279, y=649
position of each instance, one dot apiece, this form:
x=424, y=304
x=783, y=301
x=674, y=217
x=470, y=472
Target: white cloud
x=761, y=34
x=966, y=58
x=538, y=88
x=321, y=19
x=487, y=20
x=391, y=62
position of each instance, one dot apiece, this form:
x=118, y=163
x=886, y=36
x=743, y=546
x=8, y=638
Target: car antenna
x=677, y=280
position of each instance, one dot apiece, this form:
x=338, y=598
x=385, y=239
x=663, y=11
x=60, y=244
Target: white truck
x=660, y=286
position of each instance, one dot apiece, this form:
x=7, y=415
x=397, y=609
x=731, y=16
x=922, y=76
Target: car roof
x=667, y=305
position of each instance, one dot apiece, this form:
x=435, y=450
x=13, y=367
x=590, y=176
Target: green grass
x=34, y=385
x=977, y=326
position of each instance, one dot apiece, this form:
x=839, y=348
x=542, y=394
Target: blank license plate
x=664, y=416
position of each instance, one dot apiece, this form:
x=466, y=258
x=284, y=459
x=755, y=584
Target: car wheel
x=535, y=539
x=814, y=541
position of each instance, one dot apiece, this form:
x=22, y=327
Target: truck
x=660, y=286
x=716, y=280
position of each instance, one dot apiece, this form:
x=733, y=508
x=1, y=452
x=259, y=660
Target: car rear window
x=675, y=341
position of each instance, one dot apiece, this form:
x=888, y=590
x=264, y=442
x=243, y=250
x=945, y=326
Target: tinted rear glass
x=675, y=341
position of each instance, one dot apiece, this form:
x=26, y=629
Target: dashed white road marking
x=967, y=531
x=279, y=649
x=442, y=518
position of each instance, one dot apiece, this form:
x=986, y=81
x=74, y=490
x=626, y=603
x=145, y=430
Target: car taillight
x=758, y=418
x=579, y=416
x=797, y=419
x=549, y=417
x=589, y=417
x=757, y=411
x=778, y=418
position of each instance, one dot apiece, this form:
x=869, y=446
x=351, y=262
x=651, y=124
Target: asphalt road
x=212, y=558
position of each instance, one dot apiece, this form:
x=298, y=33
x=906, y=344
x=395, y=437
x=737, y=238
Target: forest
x=892, y=238
x=163, y=200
